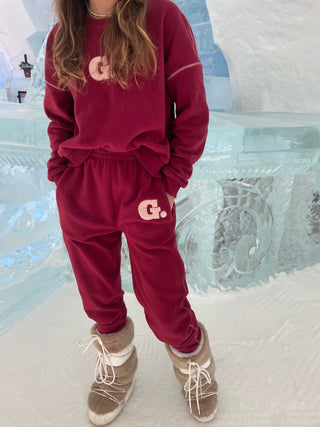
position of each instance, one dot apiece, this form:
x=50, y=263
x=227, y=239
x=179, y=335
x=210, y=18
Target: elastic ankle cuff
x=193, y=353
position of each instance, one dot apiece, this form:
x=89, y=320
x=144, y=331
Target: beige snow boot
x=116, y=365
x=195, y=373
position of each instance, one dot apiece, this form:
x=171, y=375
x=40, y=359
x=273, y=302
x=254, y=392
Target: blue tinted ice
x=251, y=210
x=215, y=69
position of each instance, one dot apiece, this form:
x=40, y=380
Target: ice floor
x=266, y=343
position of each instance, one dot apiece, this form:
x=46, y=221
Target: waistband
x=101, y=153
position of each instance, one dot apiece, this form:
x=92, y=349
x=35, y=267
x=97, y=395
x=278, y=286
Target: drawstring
x=100, y=373
x=101, y=370
x=194, y=383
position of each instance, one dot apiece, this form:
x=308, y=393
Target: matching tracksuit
x=116, y=153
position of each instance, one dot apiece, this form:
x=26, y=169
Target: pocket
x=166, y=196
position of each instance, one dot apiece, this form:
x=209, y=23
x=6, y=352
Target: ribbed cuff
x=193, y=353
x=56, y=168
x=171, y=186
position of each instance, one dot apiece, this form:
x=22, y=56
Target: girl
x=128, y=118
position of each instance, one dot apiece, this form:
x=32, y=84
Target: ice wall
x=215, y=69
x=271, y=50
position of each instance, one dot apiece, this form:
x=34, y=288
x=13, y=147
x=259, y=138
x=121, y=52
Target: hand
x=171, y=200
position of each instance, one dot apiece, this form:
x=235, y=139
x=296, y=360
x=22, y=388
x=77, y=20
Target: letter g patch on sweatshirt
x=99, y=69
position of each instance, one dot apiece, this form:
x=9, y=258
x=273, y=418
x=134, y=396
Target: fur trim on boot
x=116, y=365
x=196, y=375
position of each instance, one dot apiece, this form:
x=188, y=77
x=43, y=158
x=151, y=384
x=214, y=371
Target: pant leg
x=157, y=269
x=93, y=242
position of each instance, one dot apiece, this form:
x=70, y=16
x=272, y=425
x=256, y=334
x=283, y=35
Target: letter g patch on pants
x=149, y=209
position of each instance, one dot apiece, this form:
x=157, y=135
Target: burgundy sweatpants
x=109, y=194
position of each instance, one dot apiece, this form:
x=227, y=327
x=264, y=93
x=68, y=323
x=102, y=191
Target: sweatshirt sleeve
x=185, y=84
x=58, y=106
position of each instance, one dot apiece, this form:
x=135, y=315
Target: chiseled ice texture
x=269, y=46
x=251, y=210
x=215, y=69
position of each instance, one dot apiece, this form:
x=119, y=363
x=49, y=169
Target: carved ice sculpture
x=251, y=210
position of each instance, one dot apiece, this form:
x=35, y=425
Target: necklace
x=97, y=15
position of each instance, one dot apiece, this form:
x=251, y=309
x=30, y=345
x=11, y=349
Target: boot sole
x=207, y=419
x=105, y=419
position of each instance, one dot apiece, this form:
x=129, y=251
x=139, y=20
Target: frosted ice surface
x=251, y=210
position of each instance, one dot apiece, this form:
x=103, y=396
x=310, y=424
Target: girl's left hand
x=171, y=200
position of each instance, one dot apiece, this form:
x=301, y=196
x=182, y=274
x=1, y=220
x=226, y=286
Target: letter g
x=154, y=210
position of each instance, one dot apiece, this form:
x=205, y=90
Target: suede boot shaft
x=196, y=374
x=113, y=383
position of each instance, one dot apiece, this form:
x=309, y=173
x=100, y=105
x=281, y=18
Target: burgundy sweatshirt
x=141, y=119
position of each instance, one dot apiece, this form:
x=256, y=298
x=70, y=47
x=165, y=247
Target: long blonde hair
x=124, y=42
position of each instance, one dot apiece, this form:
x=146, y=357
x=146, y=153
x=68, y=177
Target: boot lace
x=101, y=370
x=198, y=377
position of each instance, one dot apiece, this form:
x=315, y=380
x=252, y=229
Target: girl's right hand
x=171, y=200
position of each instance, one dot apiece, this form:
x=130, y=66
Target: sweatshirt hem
x=149, y=160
